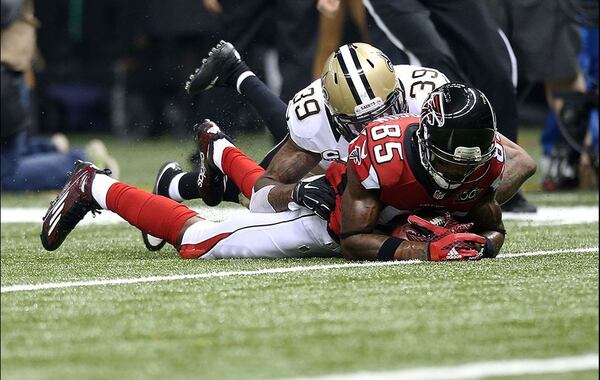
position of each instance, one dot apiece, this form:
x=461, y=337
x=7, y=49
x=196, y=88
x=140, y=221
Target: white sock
x=219, y=146
x=174, y=188
x=100, y=187
x=241, y=78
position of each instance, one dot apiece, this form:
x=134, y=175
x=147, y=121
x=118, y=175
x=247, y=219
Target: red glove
x=424, y=230
x=457, y=247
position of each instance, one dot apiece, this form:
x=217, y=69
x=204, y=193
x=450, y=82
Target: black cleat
x=220, y=64
x=70, y=206
x=211, y=181
x=519, y=204
x=161, y=187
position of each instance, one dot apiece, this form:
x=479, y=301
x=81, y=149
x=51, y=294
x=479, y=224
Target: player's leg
x=223, y=67
x=90, y=189
x=219, y=158
x=467, y=26
x=295, y=36
x=408, y=26
x=279, y=235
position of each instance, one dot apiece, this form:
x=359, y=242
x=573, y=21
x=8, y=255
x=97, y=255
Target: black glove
x=316, y=195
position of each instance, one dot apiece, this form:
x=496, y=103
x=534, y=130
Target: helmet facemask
x=351, y=126
x=469, y=158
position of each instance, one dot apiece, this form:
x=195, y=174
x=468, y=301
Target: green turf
x=281, y=325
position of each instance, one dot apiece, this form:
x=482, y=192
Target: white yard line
x=479, y=370
x=544, y=216
x=35, y=215
x=123, y=281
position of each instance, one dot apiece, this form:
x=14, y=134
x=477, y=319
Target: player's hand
x=316, y=195
x=457, y=247
x=424, y=230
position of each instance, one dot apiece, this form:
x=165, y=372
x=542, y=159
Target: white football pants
x=298, y=233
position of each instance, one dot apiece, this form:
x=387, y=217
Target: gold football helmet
x=359, y=85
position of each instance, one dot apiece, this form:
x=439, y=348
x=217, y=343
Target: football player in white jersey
x=358, y=84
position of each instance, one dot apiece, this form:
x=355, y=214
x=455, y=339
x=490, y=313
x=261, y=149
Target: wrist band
x=488, y=249
x=388, y=248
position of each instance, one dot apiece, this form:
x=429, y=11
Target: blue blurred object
x=33, y=164
x=84, y=107
x=589, y=64
x=588, y=59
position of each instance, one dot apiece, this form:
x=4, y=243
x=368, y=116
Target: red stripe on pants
x=154, y=214
x=241, y=169
x=193, y=251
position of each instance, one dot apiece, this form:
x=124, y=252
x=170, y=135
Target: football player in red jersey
x=451, y=158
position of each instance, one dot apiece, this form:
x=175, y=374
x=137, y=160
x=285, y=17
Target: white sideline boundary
x=479, y=370
x=124, y=281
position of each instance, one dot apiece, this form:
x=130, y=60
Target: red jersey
x=385, y=158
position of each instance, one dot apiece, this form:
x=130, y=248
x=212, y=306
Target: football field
x=102, y=307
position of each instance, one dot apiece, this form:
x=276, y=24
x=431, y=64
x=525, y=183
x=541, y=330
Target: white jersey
x=311, y=129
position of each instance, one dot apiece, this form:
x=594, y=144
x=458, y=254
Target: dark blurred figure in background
x=30, y=163
x=547, y=41
x=340, y=22
x=291, y=23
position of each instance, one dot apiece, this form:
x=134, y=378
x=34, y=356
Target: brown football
x=437, y=217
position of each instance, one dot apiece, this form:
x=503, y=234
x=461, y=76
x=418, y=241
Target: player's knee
x=187, y=224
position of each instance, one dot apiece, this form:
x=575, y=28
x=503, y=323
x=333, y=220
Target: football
x=409, y=231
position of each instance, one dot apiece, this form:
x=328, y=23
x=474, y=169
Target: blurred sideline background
x=115, y=70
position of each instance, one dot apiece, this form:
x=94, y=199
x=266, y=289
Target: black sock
x=268, y=105
x=188, y=186
x=232, y=193
x=165, y=182
x=236, y=71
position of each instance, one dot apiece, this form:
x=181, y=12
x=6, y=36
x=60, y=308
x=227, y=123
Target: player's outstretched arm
x=275, y=187
x=518, y=167
x=360, y=211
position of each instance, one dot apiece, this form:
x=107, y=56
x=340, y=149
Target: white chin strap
x=441, y=182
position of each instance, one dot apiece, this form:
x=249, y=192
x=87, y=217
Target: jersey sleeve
x=359, y=161
x=418, y=83
x=307, y=120
x=497, y=165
